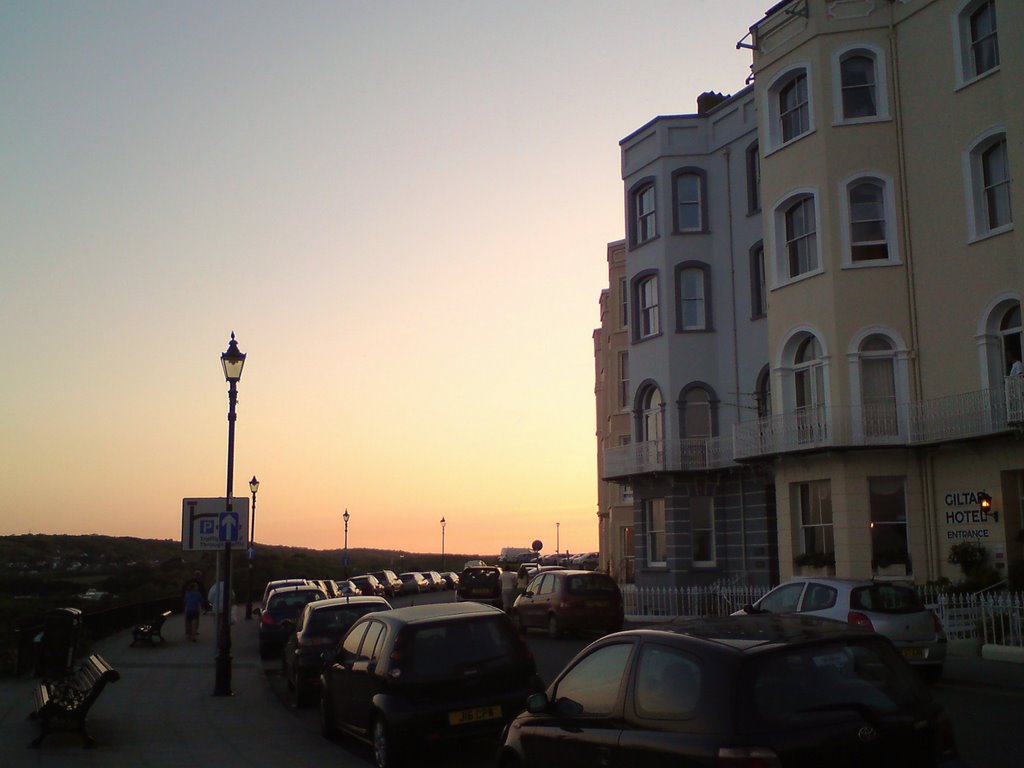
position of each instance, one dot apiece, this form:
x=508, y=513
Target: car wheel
x=554, y=631
x=327, y=727
x=385, y=746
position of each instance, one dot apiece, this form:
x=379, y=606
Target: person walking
x=508, y=580
x=193, y=601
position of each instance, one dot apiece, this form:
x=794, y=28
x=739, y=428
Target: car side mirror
x=567, y=707
x=527, y=594
x=371, y=666
x=537, y=703
x=328, y=656
x=751, y=609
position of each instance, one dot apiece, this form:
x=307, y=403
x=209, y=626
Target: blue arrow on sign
x=228, y=527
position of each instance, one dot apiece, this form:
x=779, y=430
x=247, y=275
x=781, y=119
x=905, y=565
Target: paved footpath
x=162, y=712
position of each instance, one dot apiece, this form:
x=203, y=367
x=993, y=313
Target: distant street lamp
x=232, y=362
x=558, y=557
x=254, y=485
x=442, y=543
x=345, y=517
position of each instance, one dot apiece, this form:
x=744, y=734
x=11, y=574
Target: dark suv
x=781, y=691
x=425, y=674
x=567, y=601
x=277, y=619
x=481, y=584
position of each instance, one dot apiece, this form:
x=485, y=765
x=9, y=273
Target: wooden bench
x=151, y=630
x=69, y=698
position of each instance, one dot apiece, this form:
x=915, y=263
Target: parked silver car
x=892, y=610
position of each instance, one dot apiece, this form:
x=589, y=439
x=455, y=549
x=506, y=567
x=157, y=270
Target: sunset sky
x=400, y=208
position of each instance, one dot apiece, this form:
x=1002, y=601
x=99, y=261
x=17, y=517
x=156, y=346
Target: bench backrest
x=90, y=678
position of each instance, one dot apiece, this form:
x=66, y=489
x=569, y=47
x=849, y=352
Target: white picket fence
x=996, y=618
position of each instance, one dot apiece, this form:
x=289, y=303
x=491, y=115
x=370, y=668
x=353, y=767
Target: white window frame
x=655, y=525
x=773, y=127
x=623, y=303
x=623, y=382
x=877, y=55
x=814, y=510
x=697, y=201
x=646, y=223
x=846, y=220
x=786, y=368
x=901, y=371
x=965, y=72
x=777, y=226
x=974, y=185
x=708, y=531
x=648, y=313
x=697, y=301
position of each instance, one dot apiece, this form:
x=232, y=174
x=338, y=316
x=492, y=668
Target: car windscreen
x=591, y=584
x=479, y=578
x=885, y=598
x=803, y=684
x=445, y=650
x=335, y=620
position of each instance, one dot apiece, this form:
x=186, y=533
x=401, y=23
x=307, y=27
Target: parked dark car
x=277, y=584
x=392, y=584
x=423, y=675
x=451, y=579
x=413, y=582
x=481, y=584
x=319, y=627
x=772, y=691
x=277, y=618
x=562, y=601
x=369, y=585
x=346, y=588
x=437, y=584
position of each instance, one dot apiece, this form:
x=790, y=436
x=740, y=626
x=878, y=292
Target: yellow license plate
x=913, y=653
x=475, y=715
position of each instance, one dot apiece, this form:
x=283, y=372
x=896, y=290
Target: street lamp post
x=558, y=556
x=345, y=517
x=254, y=485
x=232, y=362
x=442, y=543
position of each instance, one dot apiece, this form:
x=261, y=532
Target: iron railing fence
x=994, y=618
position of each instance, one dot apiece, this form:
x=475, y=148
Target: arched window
x=689, y=201
x=643, y=223
x=647, y=307
x=794, y=108
x=697, y=417
x=693, y=307
x=988, y=185
x=809, y=381
x=1009, y=337
x=763, y=394
x=878, y=387
x=867, y=222
x=977, y=44
x=801, y=237
x=650, y=427
x=857, y=76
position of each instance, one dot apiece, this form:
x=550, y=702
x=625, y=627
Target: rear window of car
x=291, y=603
x=591, y=584
x=480, y=577
x=885, y=598
x=336, y=621
x=804, y=684
x=452, y=648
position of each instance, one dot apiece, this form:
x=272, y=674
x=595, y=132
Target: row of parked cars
x=774, y=685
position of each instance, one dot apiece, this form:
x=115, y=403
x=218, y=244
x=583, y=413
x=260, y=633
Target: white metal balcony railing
x=956, y=417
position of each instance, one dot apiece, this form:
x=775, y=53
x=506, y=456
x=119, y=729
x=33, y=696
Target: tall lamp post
x=345, y=517
x=254, y=485
x=442, y=543
x=232, y=362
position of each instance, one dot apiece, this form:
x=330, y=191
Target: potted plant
x=890, y=562
x=815, y=563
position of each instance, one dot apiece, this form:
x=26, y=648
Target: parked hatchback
x=481, y=584
x=392, y=584
x=425, y=674
x=768, y=691
x=319, y=627
x=893, y=610
x=369, y=585
x=562, y=601
x=277, y=618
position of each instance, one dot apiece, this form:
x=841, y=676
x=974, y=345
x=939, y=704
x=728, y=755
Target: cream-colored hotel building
x=889, y=154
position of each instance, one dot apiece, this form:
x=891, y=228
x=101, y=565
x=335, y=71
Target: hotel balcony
x=957, y=417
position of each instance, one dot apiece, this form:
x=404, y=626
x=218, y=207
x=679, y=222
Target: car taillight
x=944, y=738
x=936, y=622
x=747, y=757
x=266, y=618
x=397, y=656
x=860, y=620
